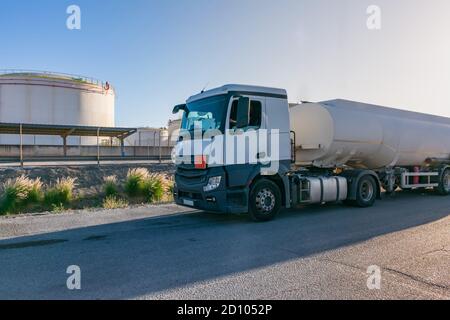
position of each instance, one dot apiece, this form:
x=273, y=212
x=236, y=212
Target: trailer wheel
x=265, y=200
x=444, y=183
x=366, y=193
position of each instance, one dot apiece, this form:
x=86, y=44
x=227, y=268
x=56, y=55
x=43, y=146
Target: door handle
x=261, y=155
x=237, y=132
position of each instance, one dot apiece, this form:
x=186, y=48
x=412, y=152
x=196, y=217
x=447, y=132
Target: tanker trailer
x=331, y=151
x=337, y=133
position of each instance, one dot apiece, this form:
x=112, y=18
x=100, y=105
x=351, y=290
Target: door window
x=255, y=115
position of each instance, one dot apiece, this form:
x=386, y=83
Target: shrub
x=61, y=193
x=169, y=190
x=135, y=181
x=157, y=188
x=110, y=188
x=113, y=202
x=152, y=188
x=58, y=208
x=169, y=185
x=20, y=192
x=36, y=193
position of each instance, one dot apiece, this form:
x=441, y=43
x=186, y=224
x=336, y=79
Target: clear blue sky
x=157, y=53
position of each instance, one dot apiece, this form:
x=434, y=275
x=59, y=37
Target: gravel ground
x=33, y=224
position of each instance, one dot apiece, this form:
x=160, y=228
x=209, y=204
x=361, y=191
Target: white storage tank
x=51, y=98
x=148, y=137
x=339, y=132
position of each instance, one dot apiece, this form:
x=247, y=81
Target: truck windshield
x=208, y=113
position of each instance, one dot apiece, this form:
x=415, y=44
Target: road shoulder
x=26, y=225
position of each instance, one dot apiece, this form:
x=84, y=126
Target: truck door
x=242, y=144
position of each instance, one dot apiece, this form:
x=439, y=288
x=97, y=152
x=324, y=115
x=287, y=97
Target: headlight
x=213, y=184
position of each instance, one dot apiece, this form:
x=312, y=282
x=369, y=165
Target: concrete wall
x=9, y=151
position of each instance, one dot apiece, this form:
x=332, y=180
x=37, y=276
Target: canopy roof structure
x=65, y=130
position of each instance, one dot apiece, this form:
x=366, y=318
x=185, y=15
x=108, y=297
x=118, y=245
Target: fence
x=36, y=153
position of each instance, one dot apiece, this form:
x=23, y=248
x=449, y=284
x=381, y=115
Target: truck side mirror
x=180, y=107
x=243, y=110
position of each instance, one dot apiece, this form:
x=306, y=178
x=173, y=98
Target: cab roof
x=240, y=89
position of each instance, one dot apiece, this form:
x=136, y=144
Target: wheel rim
x=265, y=201
x=446, y=181
x=367, y=191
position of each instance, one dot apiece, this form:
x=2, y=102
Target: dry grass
x=164, y=188
x=113, y=202
x=153, y=187
x=61, y=193
x=20, y=192
x=135, y=181
x=110, y=187
x=23, y=194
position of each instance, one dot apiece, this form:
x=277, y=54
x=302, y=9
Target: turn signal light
x=200, y=162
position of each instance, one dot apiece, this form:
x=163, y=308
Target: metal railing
x=50, y=74
x=22, y=155
x=81, y=159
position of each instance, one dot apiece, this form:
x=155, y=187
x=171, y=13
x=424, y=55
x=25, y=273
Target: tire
x=264, y=201
x=444, y=183
x=366, y=192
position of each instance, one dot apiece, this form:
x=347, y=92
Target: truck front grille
x=191, y=176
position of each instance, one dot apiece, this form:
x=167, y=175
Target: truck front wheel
x=264, y=200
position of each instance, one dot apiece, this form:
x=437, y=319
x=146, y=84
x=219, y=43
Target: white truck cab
x=228, y=156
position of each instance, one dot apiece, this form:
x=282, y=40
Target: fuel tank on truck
x=340, y=132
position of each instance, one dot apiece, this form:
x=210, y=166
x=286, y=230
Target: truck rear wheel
x=366, y=192
x=264, y=200
x=444, y=183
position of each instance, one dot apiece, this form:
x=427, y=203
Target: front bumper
x=189, y=192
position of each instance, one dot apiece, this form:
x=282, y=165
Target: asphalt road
x=318, y=252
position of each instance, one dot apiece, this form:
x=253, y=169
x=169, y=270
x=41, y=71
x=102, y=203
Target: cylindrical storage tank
x=339, y=132
x=49, y=98
x=149, y=137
